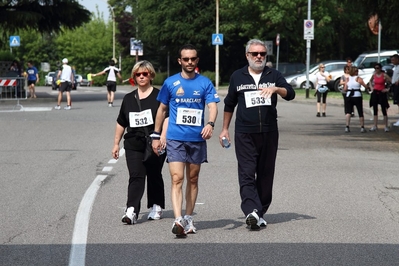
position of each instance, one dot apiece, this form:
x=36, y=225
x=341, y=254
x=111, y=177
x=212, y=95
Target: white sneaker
x=155, y=213
x=68, y=107
x=178, y=227
x=110, y=105
x=396, y=124
x=57, y=107
x=374, y=128
x=190, y=228
x=362, y=130
x=262, y=222
x=252, y=220
x=386, y=129
x=130, y=216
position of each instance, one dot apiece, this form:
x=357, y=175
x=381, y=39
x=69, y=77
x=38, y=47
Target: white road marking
x=77, y=255
x=107, y=169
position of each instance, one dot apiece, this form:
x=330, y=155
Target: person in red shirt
x=379, y=95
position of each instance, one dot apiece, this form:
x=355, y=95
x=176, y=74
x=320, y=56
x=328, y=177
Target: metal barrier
x=12, y=88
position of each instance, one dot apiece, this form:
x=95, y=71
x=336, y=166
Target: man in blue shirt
x=186, y=94
x=33, y=77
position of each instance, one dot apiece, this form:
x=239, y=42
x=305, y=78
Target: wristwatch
x=211, y=123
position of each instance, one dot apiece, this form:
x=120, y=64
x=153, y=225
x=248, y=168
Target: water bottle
x=161, y=151
x=225, y=142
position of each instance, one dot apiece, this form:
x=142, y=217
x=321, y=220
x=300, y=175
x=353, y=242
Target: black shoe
x=324, y=114
x=318, y=114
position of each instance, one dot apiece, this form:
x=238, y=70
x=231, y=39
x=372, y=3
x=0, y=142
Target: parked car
x=366, y=61
x=85, y=82
x=48, y=79
x=78, y=79
x=334, y=67
x=288, y=69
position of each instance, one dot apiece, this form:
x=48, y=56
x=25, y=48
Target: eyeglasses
x=255, y=54
x=138, y=74
x=376, y=68
x=186, y=59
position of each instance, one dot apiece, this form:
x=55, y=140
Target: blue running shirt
x=186, y=99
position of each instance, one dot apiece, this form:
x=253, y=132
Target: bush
x=210, y=75
x=160, y=78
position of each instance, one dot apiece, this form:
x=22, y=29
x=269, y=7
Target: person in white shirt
x=113, y=72
x=66, y=77
x=322, y=78
x=395, y=82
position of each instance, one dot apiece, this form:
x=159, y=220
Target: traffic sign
x=308, y=29
x=269, y=47
x=217, y=39
x=14, y=41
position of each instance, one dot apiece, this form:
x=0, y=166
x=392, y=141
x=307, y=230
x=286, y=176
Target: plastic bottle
x=225, y=142
x=161, y=151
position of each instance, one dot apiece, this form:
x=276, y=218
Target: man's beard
x=256, y=66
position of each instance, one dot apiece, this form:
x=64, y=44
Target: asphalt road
x=62, y=197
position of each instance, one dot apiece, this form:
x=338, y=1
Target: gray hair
x=252, y=42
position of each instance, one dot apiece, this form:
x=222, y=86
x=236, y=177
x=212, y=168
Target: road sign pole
x=308, y=44
x=217, y=48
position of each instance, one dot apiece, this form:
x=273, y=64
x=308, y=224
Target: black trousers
x=256, y=157
x=137, y=174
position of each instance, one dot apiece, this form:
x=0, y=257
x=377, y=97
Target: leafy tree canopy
x=43, y=16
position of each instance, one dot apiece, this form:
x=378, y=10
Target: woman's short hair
x=143, y=65
x=321, y=65
x=379, y=65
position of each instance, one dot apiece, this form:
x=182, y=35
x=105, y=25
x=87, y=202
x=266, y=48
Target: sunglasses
x=255, y=54
x=187, y=59
x=138, y=74
x=376, y=68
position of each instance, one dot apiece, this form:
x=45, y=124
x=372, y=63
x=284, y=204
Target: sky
x=91, y=6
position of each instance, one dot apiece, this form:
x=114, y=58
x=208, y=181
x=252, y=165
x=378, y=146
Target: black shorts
x=65, y=86
x=111, y=86
x=31, y=82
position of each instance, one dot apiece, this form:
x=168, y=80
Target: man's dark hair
x=187, y=47
x=111, y=62
x=395, y=56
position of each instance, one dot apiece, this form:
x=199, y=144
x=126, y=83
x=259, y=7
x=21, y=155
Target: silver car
x=334, y=67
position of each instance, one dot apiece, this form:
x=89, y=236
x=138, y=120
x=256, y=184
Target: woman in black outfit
x=134, y=119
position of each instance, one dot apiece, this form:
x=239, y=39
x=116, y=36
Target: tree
x=43, y=16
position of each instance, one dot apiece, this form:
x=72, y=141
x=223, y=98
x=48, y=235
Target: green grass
x=331, y=94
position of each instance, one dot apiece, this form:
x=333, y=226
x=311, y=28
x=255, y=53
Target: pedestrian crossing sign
x=217, y=39
x=14, y=41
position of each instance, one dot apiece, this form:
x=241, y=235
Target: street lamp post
x=113, y=32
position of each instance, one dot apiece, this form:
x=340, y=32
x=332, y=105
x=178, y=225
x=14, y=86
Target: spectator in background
x=348, y=61
x=112, y=72
x=342, y=82
x=16, y=68
x=379, y=95
x=395, y=82
x=322, y=78
x=66, y=78
x=89, y=79
x=354, y=97
x=33, y=78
